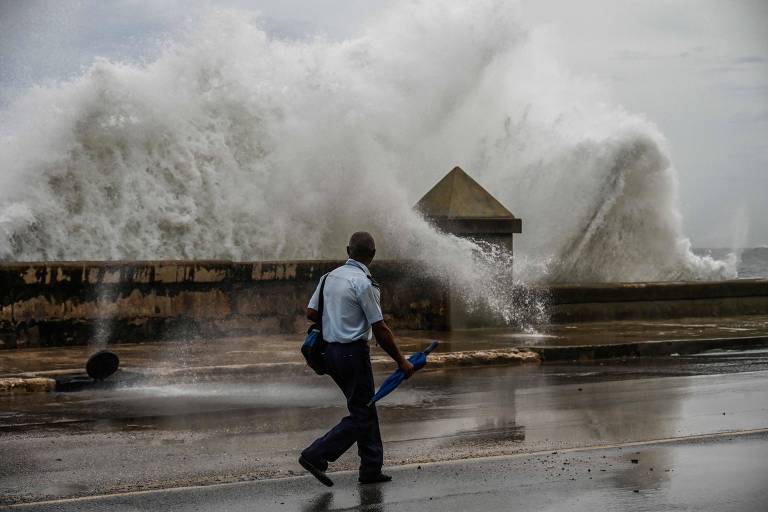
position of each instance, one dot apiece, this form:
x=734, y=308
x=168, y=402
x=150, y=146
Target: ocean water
x=239, y=145
x=752, y=262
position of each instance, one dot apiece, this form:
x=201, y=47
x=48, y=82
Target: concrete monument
x=459, y=205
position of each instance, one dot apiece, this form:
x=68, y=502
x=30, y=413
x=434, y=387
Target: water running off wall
x=234, y=144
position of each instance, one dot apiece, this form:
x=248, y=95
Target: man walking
x=351, y=312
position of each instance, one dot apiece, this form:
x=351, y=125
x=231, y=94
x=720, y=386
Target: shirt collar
x=359, y=265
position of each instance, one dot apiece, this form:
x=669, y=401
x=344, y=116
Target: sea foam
x=235, y=144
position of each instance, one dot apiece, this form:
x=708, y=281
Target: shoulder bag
x=314, y=345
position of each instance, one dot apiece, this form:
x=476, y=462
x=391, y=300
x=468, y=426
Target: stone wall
x=620, y=301
x=47, y=304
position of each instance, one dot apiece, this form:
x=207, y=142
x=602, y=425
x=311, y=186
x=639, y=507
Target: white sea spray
x=234, y=144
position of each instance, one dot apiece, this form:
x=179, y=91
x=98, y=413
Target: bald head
x=361, y=247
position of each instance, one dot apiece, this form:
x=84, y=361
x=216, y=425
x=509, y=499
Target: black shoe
x=374, y=479
x=316, y=472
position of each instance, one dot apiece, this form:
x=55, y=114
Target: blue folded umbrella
x=418, y=360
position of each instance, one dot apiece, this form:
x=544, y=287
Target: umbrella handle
x=432, y=346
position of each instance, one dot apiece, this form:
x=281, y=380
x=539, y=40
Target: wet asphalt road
x=149, y=437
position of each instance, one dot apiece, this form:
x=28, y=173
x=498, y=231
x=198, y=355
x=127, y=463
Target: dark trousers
x=349, y=364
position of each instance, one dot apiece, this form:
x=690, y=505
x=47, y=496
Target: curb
x=26, y=384
x=646, y=348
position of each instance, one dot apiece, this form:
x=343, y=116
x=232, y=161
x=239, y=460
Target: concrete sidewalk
x=247, y=355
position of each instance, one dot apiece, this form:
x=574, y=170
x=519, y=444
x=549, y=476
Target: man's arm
x=386, y=341
x=313, y=313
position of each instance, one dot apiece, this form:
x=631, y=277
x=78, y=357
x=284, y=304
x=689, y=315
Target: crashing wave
x=234, y=144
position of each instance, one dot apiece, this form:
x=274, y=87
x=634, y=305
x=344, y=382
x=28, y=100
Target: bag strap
x=320, y=302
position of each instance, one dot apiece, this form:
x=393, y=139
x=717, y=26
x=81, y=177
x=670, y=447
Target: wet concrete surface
x=279, y=349
x=190, y=433
x=721, y=473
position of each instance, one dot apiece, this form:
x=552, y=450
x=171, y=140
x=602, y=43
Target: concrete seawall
x=54, y=304
x=51, y=304
x=623, y=301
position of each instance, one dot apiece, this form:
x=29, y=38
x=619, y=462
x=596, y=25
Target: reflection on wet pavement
x=321, y=503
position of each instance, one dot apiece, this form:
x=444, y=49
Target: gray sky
x=698, y=68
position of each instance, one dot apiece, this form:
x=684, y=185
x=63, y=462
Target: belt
x=350, y=343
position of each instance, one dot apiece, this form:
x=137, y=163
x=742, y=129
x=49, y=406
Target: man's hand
x=407, y=367
x=387, y=342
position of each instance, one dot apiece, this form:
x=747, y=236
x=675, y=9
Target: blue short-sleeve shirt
x=352, y=302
